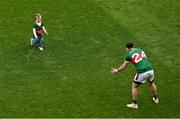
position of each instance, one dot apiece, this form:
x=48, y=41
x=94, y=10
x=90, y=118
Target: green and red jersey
x=39, y=29
x=138, y=58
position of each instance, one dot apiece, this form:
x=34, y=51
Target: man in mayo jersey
x=144, y=70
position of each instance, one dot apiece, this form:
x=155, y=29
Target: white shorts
x=141, y=78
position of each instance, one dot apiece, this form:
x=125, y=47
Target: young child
x=38, y=30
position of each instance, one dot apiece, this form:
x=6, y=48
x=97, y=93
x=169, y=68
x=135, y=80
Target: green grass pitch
x=71, y=78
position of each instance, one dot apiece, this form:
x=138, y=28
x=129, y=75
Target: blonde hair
x=36, y=15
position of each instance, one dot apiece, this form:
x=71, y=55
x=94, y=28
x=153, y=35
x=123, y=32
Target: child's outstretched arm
x=44, y=29
x=34, y=32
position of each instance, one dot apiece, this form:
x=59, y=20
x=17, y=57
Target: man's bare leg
x=134, y=93
x=153, y=89
x=134, y=96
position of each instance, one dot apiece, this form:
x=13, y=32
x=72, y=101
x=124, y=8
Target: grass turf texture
x=71, y=78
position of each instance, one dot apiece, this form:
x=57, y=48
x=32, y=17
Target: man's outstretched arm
x=121, y=68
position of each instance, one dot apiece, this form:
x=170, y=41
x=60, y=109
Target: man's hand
x=114, y=71
x=121, y=68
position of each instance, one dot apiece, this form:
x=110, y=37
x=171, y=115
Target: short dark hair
x=129, y=45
